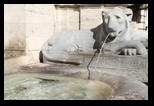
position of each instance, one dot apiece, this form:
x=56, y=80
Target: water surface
x=24, y=86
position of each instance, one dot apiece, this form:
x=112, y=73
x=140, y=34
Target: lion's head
x=117, y=21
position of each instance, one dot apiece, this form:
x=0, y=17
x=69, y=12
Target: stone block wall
x=67, y=18
x=14, y=30
x=39, y=26
x=90, y=17
x=26, y=28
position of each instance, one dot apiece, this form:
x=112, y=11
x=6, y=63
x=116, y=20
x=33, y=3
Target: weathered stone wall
x=14, y=36
x=90, y=17
x=14, y=30
x=67, y=18
x=26, y=28
x=39, y=27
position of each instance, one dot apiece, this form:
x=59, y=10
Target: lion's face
x=115, y=22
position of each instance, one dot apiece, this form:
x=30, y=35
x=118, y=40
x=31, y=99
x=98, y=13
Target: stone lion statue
x=116, y=25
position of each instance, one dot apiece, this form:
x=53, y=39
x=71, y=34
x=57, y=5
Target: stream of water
x=97, y=60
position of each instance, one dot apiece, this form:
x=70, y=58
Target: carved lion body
x=116, y=23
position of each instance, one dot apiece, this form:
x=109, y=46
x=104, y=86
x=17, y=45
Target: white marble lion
x=116, y=25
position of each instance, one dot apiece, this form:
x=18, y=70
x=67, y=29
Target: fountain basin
x=125, y=88
x=36, y=86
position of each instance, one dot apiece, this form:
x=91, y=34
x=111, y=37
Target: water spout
x=97, y=57
x=101, y=49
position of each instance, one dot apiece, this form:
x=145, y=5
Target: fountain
x=73, y=66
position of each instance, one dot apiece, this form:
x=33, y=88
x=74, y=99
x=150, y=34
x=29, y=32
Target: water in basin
x=24, y=86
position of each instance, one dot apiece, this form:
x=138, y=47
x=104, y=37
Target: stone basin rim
x=124, y=87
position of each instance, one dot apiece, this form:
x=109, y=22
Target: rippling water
x=22, y=86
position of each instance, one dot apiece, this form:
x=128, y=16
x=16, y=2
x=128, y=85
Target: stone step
x=134, y=67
